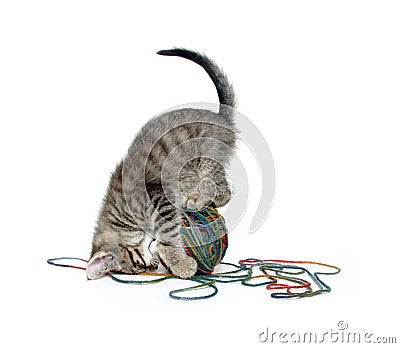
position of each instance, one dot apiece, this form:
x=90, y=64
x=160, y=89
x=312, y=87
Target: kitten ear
x=100, y=264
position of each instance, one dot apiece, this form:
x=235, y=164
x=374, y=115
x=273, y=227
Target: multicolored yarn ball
x=205, y=237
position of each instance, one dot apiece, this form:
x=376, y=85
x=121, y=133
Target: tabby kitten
x=176, y=161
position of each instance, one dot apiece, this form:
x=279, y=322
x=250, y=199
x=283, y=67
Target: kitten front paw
x=153, y=265
x=176, y=260
x=185, y=267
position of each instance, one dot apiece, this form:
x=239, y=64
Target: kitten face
x=124, y=259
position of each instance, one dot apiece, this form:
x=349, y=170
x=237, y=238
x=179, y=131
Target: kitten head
x=128, y=259
x=100, y=264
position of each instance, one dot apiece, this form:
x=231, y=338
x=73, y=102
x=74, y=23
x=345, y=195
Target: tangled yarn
x=205, y=238
x=292, y=277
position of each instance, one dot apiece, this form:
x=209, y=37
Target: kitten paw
x=222, y=198
x=185, y=267
x=100, y=264
x=197, y=201
x=153, y=266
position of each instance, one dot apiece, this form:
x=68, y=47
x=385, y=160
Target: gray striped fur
x=176, y=161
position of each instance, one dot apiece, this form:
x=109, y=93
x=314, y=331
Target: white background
x=321, y=81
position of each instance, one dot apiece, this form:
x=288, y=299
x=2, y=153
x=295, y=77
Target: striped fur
x=177, y=161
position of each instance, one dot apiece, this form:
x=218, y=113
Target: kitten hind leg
x=223, y=192
x=221, y=189
x=201, y=196
x=203, y=182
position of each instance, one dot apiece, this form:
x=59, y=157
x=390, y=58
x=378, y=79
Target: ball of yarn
x=205, y=237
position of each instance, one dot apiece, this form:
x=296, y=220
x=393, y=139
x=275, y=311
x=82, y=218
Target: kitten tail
x=225, y=90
